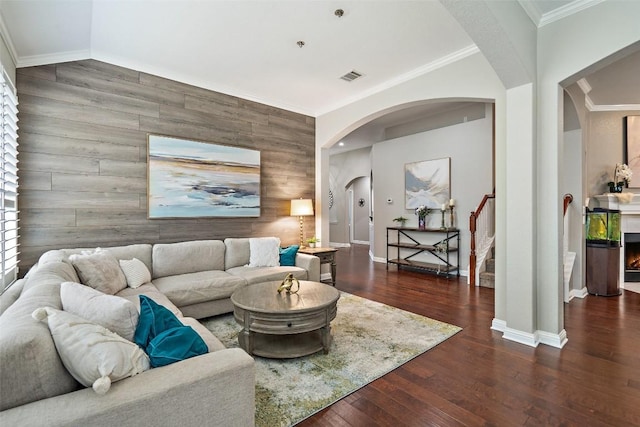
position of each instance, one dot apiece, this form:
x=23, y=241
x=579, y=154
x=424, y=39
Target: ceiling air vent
x=351, y=76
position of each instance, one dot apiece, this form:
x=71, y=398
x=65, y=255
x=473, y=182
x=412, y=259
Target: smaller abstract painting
x=427, y=183
x=188, y=179
x=632, y=148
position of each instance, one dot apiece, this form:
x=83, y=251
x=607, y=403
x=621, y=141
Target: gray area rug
x=369, y=340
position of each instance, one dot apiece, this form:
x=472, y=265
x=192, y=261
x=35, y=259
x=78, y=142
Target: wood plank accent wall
x=83, y=153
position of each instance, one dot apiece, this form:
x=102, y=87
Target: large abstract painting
x=189, y=179
x=632, y=145
x=427, y=183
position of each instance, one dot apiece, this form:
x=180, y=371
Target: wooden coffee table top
x=264, y=298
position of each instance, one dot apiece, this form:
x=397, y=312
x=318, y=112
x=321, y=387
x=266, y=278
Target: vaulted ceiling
x=250, y=49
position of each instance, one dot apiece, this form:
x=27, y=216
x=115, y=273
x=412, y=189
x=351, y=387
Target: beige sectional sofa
x=192, y=279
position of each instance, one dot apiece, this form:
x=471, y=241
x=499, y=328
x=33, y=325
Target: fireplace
x=632, y=257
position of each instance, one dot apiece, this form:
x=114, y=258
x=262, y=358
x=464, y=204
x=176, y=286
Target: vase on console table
x=422, y=222
x=615, y=187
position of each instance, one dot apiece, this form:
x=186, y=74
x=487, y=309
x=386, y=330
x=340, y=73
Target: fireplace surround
x=630, y=230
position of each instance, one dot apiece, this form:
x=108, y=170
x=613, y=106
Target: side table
x=326, y=255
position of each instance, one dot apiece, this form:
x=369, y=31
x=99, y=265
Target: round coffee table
x=281, y=325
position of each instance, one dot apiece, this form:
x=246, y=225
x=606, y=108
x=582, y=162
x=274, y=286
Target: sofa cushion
x=142, y=251
x=49, y=274
x=187, y=257
x=112, y=312
x=255, y=275
x=93, y=355
x=212, y=342
x=288, y=255
x=264, y=252
x=132, y=294
x=237, y=252
x=163, y=337
x=135, y=271
x=193, y=288
x=100, y=270
x=31, y=367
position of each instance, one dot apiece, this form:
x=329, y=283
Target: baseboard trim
x=360, y=242
x=339, y=245
x=527, y=338
x=498, y=325
x=578, y=293
x=378, y=259
x=553, y=340
x=325, y=277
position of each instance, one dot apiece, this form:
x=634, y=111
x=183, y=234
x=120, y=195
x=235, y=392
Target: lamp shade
x=301, y=207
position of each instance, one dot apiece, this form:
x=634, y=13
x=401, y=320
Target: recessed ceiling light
x=341, y=144
x=339, y=13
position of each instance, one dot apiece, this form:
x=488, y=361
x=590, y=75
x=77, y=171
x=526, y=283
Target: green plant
x=312, y=240
x=402, y=220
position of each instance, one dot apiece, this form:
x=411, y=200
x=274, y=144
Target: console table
x=439, y=245
x=326, y=255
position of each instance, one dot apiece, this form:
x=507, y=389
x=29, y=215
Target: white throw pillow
x=135, y=271
x=115, y=313
x=264, y=252
x=93, y=355
x=100, y=270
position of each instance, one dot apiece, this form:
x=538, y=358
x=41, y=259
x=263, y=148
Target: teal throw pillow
x=163, y=337
x=288, y=255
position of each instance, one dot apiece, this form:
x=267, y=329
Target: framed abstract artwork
x=189, y=179
x=632, y=148
x=427, y=183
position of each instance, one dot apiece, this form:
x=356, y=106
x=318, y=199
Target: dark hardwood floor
x=477, y=378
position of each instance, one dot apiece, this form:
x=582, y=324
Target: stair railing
x=482, y=227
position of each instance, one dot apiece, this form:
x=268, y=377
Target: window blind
x=8, y=182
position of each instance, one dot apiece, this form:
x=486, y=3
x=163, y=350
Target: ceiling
x=249, y=49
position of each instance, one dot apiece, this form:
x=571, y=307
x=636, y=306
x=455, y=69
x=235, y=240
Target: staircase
x=488, y=277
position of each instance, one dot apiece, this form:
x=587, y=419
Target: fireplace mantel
x=629, y=218
x=612, y=201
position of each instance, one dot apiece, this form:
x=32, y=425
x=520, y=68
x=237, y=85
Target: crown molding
x=584, y=85
x=540, y=20
x=566, y=10
x=4, y=32
x=616, y=107
x=417, y=72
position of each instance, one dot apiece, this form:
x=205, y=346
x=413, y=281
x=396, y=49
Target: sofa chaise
x=193, y=280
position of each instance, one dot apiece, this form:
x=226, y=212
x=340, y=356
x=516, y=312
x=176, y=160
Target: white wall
x=7, y=61
x=605, y=148
x=361, y=190
x=344, y=168
x=468, y=145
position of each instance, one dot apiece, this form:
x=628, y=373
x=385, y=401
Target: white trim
x=427, y=68
x=526, y=338
x=578, y=293
x=360, y=242
x=339, y=245
x=378, y=259
x=553, y=340
x=326, y=277
x=566, y=10
x=53, y=58
x=532, y=10
x=498, y=325
x=584, y=85
x=619, y=107
x=4, y=33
